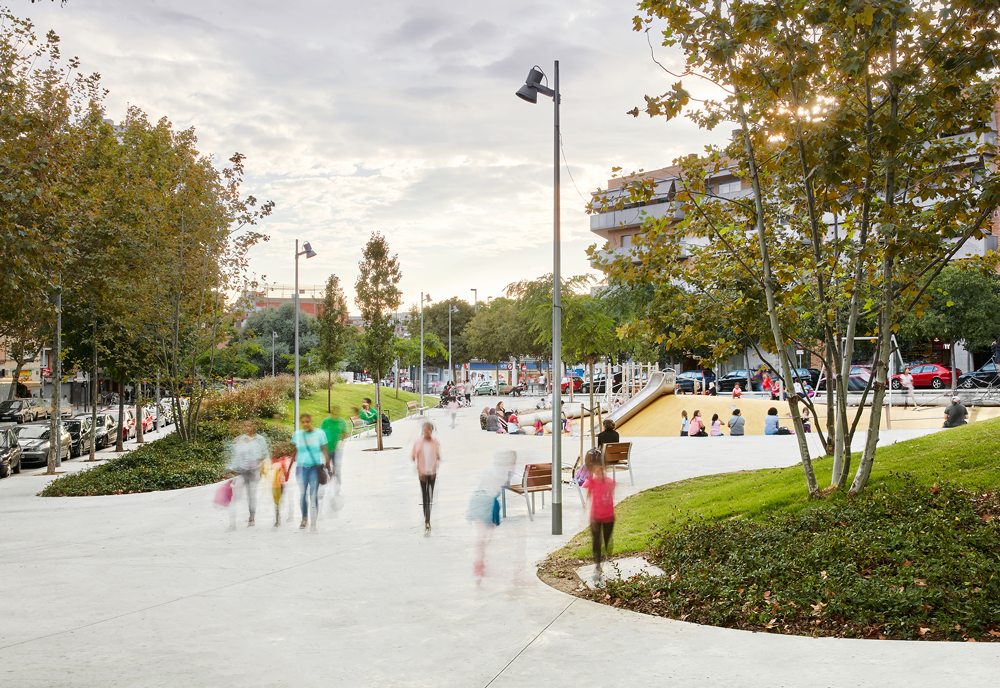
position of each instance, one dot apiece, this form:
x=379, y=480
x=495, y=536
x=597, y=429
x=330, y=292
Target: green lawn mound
x=166, y=464
x=916, y=557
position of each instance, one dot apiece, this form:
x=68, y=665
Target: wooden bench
x=412, y=407
x=617, y=456
x=537, y=477
x=359, y=427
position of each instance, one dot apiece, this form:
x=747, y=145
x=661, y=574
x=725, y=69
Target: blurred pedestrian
x=601, y=493
x=336, y=429
x=906, y=380
x=453, y=411
x=484, y=507
x=246, y=456
x=427, y=455
x=279, y=471
x=310, y=454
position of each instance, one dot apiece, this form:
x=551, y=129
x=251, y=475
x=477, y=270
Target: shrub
x=165, y=464
x=263, y=398
x=911, y=563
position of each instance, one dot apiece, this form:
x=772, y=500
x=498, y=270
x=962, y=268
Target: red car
x=927, y=375
x=577, y=384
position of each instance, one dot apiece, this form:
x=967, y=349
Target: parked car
x=105, y=432
x=577, y=384
x=81, y=435
x=855, y=383
x=148, y=420
x=691, y=380
x=865, y=370
x=166, y=413
x=601, y=384
x=729, y=380
x=931, y=375
x=43, y=407
x=17, y=411
x=489, y=387
x=125, y=423
x=987, y=376
x=10, y=453
x=34, y=441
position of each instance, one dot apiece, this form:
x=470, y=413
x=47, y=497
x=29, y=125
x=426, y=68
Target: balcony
x=635, y=216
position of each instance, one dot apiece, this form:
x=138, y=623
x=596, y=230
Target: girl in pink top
x=716, y=426
x=602, y=506
x=427, y=456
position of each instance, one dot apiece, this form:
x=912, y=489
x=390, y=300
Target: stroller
x=386, y=425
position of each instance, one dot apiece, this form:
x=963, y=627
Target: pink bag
x=224, y=494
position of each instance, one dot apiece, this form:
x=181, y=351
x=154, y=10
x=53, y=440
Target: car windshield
x=72, y=425
x=100, y=421
x=32, y=432
x=5, y=405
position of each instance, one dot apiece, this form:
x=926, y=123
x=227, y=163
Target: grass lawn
x=347, y=396
x=968, y=457
x=916, y=556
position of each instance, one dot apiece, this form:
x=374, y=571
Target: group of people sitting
x=500, y=420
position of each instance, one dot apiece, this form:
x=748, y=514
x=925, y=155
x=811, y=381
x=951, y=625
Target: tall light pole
x=529, y=92
x=308, y=253
x=422, y=300
x=475, y=300
x=452, y=308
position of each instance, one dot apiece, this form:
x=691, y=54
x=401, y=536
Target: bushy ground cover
x=164, y=464
x=916, y=556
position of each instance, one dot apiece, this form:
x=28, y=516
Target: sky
x=396, y=117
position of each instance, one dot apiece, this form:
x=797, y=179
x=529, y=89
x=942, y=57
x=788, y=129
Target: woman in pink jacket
x=427, y=455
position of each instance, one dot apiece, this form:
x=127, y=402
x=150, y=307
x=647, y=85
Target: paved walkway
x=149, y=590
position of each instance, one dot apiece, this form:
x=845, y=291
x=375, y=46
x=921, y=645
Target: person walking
x=685, y=424
x=806, y=424
x=736, y=423
x=279, y=471
x=453, y=411
x=906, y=380
x=427, y=455
x=336, y=429
x=601, y=493
x=246, y=456
x=484, y=507
x=310, y=454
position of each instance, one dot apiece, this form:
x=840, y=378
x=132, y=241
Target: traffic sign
x=510, y=366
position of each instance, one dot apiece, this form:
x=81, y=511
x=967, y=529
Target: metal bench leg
x=532, y=502
x=503, y=501
x=579, y=491
x=531, y=516
x=543, y=500
x=630, y=478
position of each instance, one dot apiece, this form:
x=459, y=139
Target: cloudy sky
x=392, y=116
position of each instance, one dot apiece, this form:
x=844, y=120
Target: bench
x=359, y=427
x=617, y=456
x=537, y=477
x=412, y=407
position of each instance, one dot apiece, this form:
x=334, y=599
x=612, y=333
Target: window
x=626, y=240
x=730, y=187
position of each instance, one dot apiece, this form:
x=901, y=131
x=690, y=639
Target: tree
x=378, y=298
x=333, y=332
x=436, y=322
x=281, y=320
x=847, y=112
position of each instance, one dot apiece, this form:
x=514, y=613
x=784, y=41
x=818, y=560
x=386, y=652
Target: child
x=737, y=391
x=453, y=410
x=684, y=423
x=806, y=426
x=602, y=508
x=279, y=469
x=716, y=426
x=539, y=428
x=427, y=455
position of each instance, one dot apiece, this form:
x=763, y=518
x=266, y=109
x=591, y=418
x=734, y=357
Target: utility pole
x=55, y=370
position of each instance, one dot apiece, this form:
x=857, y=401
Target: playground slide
x=659, y=383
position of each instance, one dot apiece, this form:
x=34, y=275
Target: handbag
x=321, y=474
x=224, y=494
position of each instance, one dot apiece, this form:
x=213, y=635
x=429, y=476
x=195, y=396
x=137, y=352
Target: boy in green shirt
x=336, y=431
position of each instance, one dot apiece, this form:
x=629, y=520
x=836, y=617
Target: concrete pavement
x=149, y=590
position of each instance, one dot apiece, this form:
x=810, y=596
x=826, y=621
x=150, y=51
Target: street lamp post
x=475, y=300
x=273, y=335
x=451, y=371
x=422, y=300
x=529, y=92
x=308, y=253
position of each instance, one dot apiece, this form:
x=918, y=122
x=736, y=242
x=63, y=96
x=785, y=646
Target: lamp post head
x=533, y=86
x=307, y=250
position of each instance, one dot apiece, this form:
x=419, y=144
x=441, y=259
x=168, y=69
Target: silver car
x=34, y=441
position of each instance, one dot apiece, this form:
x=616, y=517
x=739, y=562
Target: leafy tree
x=333, y=332
x=259, y=325
x=378, y=298
x=436, y=322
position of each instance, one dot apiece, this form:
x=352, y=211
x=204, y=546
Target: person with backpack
x=309, y=454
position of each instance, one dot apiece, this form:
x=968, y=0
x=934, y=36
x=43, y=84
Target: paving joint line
x=530, y=643
x=199, y=594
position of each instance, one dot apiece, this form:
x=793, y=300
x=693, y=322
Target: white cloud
x=392, y=116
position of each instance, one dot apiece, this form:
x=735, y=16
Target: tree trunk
x=139, y=429
x=17, y=377
x=398, y=366
x=954, y=368
x=93, y=398
x=120, y=444
x=329, y=390
x=378, y=408
x=772, y=311
x=593, y=441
